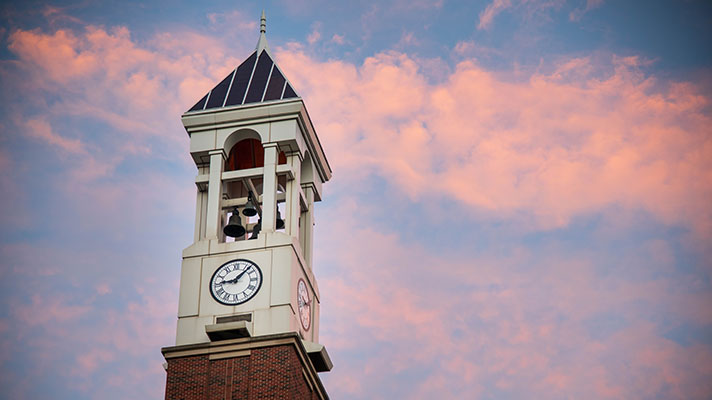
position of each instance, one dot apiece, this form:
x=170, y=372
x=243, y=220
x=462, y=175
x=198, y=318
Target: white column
x=308, y=224
x=212, y=220
x=292, y=207
x=199, y=212
x=269, y=188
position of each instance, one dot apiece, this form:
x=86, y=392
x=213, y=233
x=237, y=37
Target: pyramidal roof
x=257, y=79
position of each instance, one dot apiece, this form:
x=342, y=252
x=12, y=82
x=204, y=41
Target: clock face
x=236, y=282
x=304, y=304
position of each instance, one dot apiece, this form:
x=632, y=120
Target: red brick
x=273, y=372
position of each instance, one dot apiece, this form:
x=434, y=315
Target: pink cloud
x=139, y=90
x=103, y=289
x=474, y=322
x=532, y=10
x=104, y=75
x=491, y=11
x=570, y=139
x=55, y=53
x=555, y=144
x=89, y=361
x=94, y=339
x=315, y=33
x=41, y=312
x=338, y=39
x=578, y=13
x=41, y=130
x=233, y=21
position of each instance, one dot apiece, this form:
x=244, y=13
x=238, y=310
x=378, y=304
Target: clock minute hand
x=237, y=278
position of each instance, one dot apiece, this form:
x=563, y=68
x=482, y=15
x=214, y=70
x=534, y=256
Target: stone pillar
x=292, y=208
x=212, y=220
x=308, y=224
x=269, y=191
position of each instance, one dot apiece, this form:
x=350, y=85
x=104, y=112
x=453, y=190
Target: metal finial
x=262, y=42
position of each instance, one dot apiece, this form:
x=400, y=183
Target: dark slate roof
x=251, y=82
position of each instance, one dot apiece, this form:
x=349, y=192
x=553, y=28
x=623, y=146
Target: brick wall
x=273, y=372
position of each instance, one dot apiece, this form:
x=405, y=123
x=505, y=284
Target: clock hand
x=234, y=280
x=240, y=274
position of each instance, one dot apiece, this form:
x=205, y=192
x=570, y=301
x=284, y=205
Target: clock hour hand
x=304, y=302
x=233, y=280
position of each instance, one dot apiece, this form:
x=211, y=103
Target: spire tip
x=262, y=42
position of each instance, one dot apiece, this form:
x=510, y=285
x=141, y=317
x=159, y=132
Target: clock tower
x=248, y=311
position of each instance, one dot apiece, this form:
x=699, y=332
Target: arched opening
x=249, y=153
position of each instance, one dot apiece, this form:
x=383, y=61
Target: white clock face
x=304, y=304
x=236, y=282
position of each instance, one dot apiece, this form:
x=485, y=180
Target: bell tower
x=248, y=312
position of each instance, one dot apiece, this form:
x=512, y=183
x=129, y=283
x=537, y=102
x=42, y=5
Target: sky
x=520, y=204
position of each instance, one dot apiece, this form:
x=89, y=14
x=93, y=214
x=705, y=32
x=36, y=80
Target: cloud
x=473, y=51
x=401, y=5
x=531, y=10
x=42, y=131
x=103, y=289
x=41, y=313
x=570, y=140
x=491, y=11
x=89, y=361
x=537, y=149
x=315, y=33
x=233, y=22
x=407, y=39
x=338, y=39
x=102, y=348
x=469, y=324
x=578, y=13
x=105, y=75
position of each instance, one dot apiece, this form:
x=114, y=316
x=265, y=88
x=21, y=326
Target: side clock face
x=236, y=282
x=304, y=304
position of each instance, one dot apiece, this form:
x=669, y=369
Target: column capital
x=218, y=151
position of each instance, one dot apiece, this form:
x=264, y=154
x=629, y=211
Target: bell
x=234, y=226
x=256, y=230
x=280, y=221
x=250, y=210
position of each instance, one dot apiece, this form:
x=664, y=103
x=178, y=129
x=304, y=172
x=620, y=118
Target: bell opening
x=249, y=153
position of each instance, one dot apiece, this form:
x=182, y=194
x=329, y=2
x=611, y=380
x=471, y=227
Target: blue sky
x=519, y=207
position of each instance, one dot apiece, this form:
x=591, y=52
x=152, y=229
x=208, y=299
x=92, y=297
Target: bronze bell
x=280, y=221
x=256, y=230
x=234, y=226
x=250, y=210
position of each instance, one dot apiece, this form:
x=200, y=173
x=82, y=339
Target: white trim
x=234, y=72
x=207, y=99
x=284, y=87
x=269, y=78
x=247, y=89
